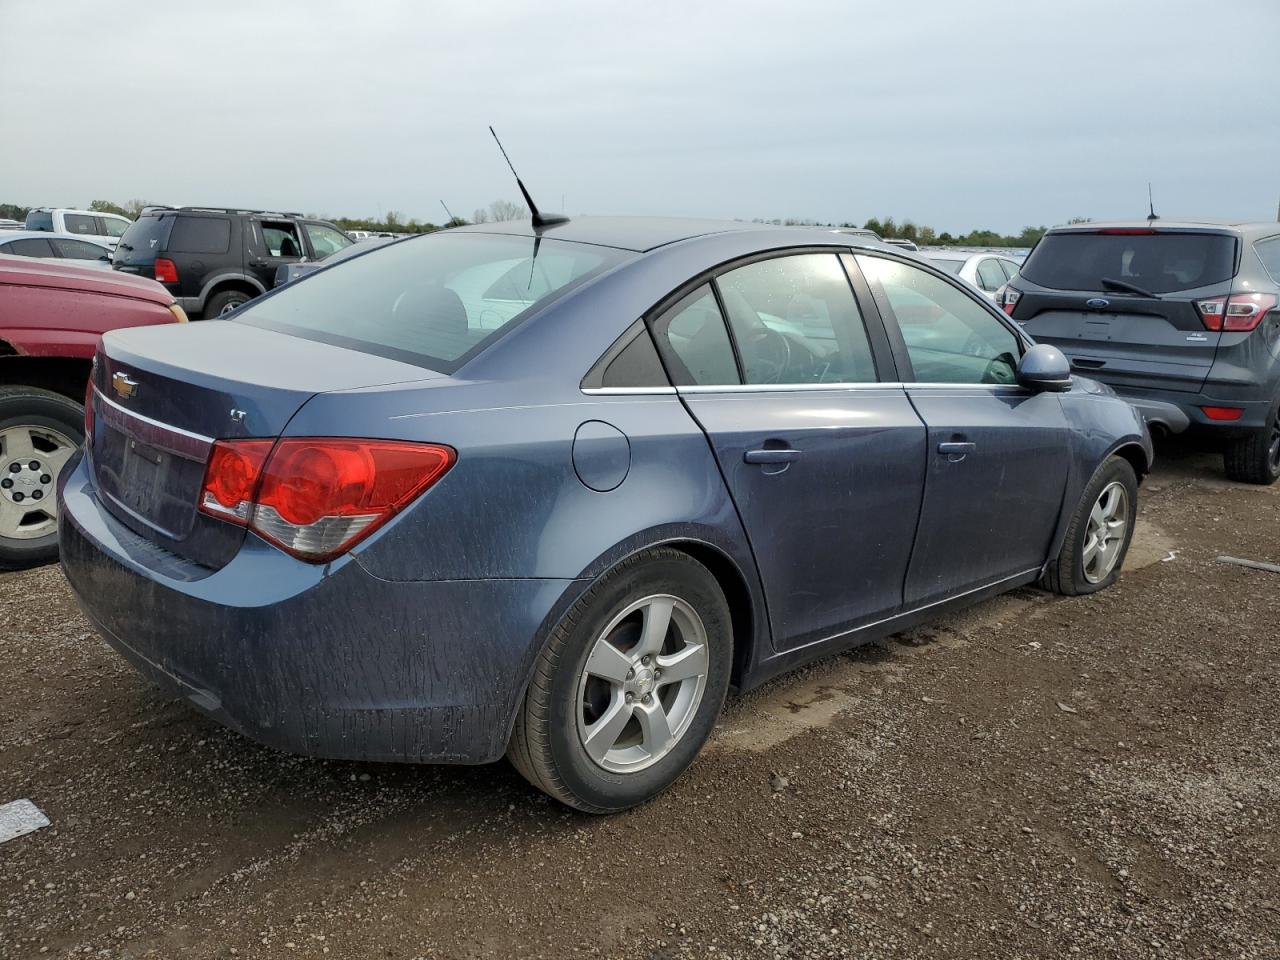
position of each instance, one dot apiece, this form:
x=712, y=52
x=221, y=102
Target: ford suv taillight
x=316, y=497
x=166, y=270
x=1007, y=298
x=1238, y=313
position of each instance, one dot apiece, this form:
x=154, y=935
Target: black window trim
x=906, y=371
x=593, y=382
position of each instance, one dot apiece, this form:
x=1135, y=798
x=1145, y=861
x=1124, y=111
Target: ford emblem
x=1097, y=303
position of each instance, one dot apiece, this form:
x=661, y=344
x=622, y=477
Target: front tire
x=1256, y=458
x=1099, y=534
x=629, y=686
x=39, y=431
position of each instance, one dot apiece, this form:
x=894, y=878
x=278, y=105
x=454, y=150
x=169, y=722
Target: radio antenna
x=1151, y=204
x=452, y=218
x=540, y=219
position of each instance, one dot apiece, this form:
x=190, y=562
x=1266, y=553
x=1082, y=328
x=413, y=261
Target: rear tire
x=224, y=302
x=1094, y=548
x=601, y=728
x=42, y=428
x=1256, y=458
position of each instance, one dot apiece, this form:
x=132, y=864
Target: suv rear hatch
x=160, y=401
x=146, y=237
x=1142, y=330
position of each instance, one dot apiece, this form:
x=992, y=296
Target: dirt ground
x=1037, y=777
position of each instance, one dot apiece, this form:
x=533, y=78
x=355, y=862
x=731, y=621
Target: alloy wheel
x=642, y=683
x=30, y=460
x=1105, y=533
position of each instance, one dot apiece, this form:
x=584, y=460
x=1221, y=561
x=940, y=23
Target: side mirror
x=1044, y=367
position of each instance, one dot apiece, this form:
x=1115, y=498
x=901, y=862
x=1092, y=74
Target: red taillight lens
x=1223, y=413
x=166, y=270
x=1007, y=298
x=315, y=497
x=1239, y=313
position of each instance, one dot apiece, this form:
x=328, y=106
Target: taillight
x=1007, y=298
x=1238, y=313
x=316, y=497
x=166, y=270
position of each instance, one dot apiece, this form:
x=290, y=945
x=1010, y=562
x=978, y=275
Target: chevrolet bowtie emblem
x=124, y=385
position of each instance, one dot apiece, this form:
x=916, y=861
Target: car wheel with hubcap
x=223, y=303
x=1256, y=458
x=1099, y=533
x=629, y=686
x=39, y=431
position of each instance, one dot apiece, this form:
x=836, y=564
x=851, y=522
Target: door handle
x=957, y=449
x=771, y=456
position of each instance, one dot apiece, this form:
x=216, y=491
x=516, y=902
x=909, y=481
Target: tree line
x=501, y=210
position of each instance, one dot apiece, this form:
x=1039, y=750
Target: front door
x=997, y=455
x=824, y=464
x=273, y=243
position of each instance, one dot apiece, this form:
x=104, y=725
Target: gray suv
x=1180, y=317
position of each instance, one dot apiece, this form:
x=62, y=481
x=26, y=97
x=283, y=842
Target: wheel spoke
x=11, y=515
x=688, y=663
x=608, y=662
x=604, y=733
x=655, y=729
x=657, y=620
x=1092, y=545
x=17, y=443
x=58, y=458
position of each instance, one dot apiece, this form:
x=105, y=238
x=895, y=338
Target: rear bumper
x=1178, y=412
x=325, y=661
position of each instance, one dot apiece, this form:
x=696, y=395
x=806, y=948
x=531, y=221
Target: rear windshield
x=36, y=220
x=952, y=267
x=144, y=239
x=433, y=300
x=1159, y=262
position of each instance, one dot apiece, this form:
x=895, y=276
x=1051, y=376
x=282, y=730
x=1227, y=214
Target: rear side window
x=952, y=267
x=200, y=235
x=30, y=247
x=990, y=276
x=1269, y=253
x=635, y=365
x=431, y=300
x=795, y=321
x=1158, y=262
x=40, y=220
x=144, y=239
x=694, y=331
x=79, y=223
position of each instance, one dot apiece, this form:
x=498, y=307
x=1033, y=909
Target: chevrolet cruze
x=551, y=491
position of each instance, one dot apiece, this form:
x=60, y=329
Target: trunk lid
x=161, y=401
x=1126, y=338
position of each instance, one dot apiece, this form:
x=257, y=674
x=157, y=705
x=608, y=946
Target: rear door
x=997, y=453
x=1149, y=337
x=824, y=462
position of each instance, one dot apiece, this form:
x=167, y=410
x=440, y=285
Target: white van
x=106, y=227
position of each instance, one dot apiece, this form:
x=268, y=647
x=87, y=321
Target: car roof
x=638, y=234
x=1163, y=223
x=34, y=272
x=7, y=235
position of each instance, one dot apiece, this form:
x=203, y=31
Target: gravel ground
x=1036, y=777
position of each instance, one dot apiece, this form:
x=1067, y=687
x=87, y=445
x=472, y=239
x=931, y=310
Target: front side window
x=325, y=240
x=116, y=226
x=426, y=300
x=78, y=249
x=699, y=344
x=1010, y=268
x=78, y=223
x=949, y=337
x=795, y=321
x=990, y=276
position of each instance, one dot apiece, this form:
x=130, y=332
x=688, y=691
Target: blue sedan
x=551, y=491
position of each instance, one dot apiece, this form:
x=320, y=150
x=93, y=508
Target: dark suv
x=1179, y=317
x=214, y=259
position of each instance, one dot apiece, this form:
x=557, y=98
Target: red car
x=51, y=318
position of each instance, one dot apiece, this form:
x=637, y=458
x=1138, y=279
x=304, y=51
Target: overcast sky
x=959, y=115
